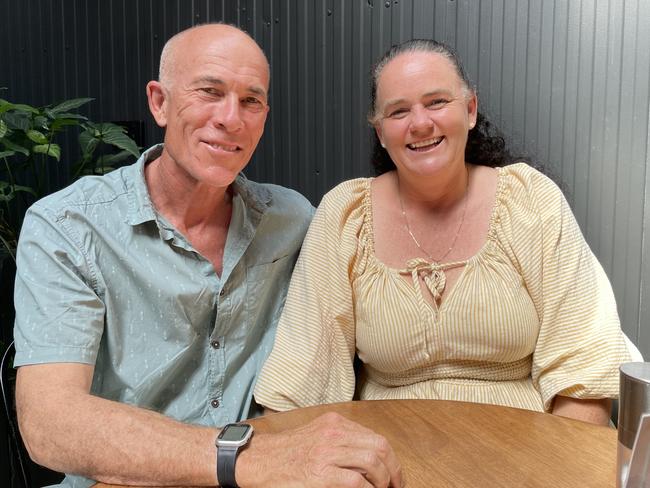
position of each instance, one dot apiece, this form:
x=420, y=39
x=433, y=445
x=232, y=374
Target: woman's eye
x=437, y=103
x=398, y=113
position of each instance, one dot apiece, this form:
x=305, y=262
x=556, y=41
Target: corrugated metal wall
x=568, y=80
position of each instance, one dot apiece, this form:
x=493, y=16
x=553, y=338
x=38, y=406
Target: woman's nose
x=420, y=118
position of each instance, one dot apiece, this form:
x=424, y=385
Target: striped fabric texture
x=531, y=316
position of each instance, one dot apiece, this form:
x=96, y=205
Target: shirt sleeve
x=580, y=345
x=312, y=359
x=59, y=317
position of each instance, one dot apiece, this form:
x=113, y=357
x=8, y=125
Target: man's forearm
x=72, y=431
x=67, y=429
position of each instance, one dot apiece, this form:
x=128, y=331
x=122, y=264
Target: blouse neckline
x=370, y=236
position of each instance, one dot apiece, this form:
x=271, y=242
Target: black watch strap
x=226, y=457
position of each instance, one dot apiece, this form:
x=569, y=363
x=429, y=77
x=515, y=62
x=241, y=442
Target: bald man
x=146, y=301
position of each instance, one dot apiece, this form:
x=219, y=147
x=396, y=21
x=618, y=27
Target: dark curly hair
x=485, y=143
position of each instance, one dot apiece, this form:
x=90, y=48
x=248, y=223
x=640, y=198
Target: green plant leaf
x=41, y=122
x=70, y=115
x=20, y=107
x=8, y=191
x=14, y=147
x=111, y=159
x=115, y=135
x=36, y=136
x=25, y=189
x=60, y=122
x=18, y=120
x=6, y=154
x=5, y=105
x=99, y=170
x=88, y=143
x=53, y=150
x=70, y=105
x=3, y=128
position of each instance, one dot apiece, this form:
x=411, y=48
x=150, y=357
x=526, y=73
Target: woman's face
x=424, y=112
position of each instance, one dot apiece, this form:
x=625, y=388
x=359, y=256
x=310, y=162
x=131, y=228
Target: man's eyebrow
x=218, y=81
x=211, y=79
x=258, y=91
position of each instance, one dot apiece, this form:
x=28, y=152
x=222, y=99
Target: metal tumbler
x=634, y=401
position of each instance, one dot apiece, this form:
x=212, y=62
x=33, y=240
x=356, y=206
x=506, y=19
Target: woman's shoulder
x=347, y=196
x=345, y=211
x=526, y=184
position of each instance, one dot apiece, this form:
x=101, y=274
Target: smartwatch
x=230, y=439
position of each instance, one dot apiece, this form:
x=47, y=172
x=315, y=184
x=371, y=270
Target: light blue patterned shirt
x=104, y=279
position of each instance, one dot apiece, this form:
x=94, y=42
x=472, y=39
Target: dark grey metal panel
x=566, y=79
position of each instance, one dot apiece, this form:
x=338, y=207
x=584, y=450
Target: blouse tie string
x=432, y=274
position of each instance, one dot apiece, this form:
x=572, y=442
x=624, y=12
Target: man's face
x=215, y=106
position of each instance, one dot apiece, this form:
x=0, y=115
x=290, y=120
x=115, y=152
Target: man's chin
x=219, y=176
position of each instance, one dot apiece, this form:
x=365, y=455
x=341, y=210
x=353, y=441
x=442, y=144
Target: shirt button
x=214, y=402
x=215, y=344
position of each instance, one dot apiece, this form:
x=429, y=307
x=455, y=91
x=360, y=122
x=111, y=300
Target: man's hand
x=331, y=451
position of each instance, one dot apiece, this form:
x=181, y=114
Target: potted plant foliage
x=43, y=149
x=29, y=145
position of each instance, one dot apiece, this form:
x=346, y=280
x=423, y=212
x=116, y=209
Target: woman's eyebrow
x=399, y=101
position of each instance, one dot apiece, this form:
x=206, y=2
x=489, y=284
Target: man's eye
x=210, y=91
x=253, y=104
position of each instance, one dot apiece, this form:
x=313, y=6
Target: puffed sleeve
x=580, y=345
x=59, y=317
x=312, y=358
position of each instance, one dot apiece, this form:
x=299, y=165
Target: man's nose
x=228, y=113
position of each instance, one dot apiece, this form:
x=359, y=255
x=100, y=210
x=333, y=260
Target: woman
x=448, y=277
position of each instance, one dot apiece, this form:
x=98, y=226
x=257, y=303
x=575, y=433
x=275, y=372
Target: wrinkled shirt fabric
x=105, y=280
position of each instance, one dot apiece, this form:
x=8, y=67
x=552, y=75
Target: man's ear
x=157, y=99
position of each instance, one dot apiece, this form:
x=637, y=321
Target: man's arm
x=68, y=429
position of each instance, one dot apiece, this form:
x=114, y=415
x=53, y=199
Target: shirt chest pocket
x=266, y=289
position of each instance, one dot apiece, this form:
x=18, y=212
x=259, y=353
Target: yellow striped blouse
x=531, y=316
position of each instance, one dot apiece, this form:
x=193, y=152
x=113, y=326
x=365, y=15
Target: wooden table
x=456, y=444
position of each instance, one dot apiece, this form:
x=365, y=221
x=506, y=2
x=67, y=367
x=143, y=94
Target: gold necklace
x=460, y=224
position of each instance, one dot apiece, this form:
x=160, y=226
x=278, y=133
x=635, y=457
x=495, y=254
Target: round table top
x=457, y=444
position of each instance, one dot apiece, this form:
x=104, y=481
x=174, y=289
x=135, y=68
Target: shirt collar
x=141, y=209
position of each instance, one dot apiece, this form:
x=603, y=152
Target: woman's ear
x=472, y=109
x=157, y=98
x=377, y=127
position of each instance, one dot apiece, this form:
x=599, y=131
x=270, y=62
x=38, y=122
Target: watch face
x=234, y=435
x=234, y=432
